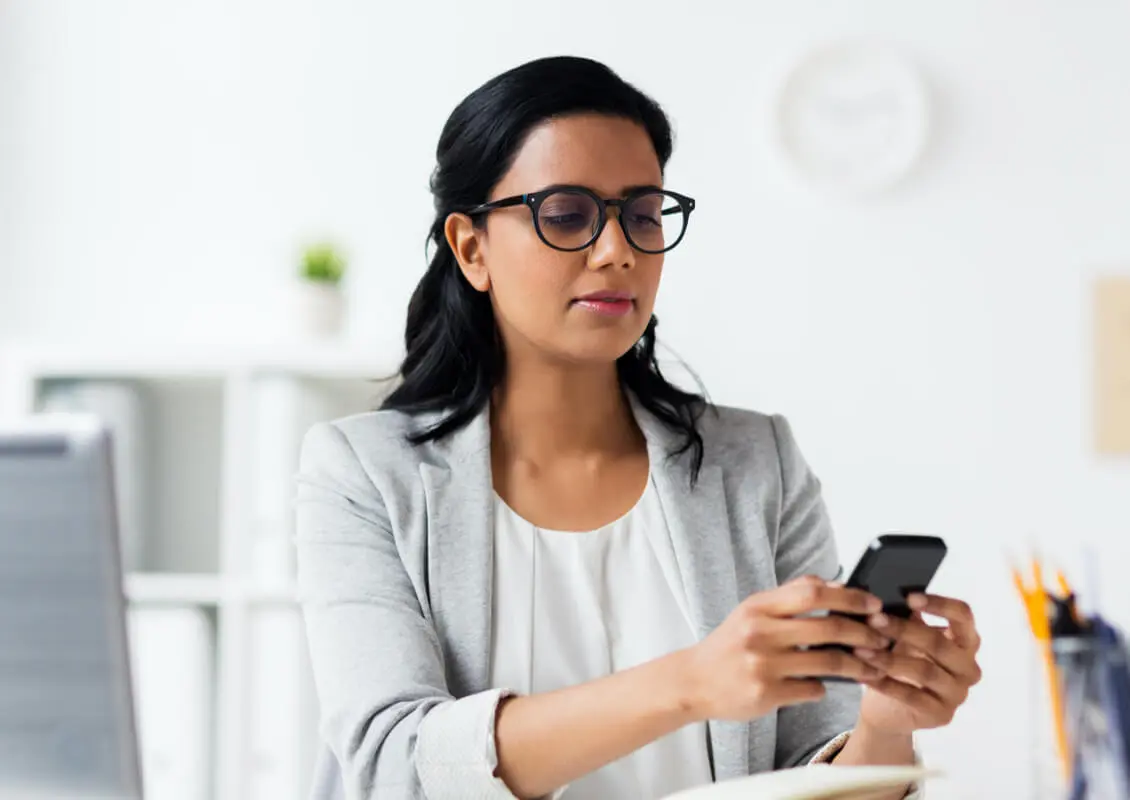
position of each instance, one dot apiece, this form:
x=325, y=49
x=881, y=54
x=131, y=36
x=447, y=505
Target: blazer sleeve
x=805, y=546
x=386, y=712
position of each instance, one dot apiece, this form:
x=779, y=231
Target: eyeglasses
x=570, y=218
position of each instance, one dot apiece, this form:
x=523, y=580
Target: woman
x=541, y=569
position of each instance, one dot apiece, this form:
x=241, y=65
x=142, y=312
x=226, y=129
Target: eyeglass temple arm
x=506, y=202
x=683, y=203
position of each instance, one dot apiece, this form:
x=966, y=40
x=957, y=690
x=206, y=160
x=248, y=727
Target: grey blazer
x=394, y=547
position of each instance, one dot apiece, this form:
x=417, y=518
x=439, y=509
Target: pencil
x=1035, y=601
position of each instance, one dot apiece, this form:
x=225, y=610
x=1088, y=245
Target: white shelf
x=156, y=588
x=329, y=360
x=180, y=588
x=269, y=595
x=222, y=428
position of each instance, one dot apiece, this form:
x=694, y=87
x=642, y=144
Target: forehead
x=606, y=154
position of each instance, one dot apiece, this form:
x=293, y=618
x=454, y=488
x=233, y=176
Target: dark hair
x=454, y=356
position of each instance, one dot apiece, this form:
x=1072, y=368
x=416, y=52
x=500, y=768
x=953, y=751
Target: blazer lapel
x=460, y=558
x=700, y=536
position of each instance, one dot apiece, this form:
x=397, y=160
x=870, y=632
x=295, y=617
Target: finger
x=823, y=663
x=833, y=629
x=919, y=673
x=924, y=702
x=915, y=636
x=809, y=593
x=908, y=649
x=794, y=690
x=956, y=612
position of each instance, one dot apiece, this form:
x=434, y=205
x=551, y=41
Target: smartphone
x=894, y=566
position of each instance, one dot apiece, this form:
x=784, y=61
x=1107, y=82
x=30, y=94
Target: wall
x=161, y=162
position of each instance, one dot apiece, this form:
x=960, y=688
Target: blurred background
x=911, y=239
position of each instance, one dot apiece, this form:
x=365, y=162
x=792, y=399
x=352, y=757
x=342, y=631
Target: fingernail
x=916, y=601
x=879, y=621
x=874, y=604
x=865, y=654
x=836, y=584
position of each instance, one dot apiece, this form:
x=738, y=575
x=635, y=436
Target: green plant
x=322, y=263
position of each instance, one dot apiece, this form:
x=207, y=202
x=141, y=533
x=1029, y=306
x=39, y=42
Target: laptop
x=67, y=726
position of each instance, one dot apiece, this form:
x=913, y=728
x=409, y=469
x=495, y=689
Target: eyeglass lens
x=652, y=221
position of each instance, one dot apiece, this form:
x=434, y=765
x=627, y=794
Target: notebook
x=816, y=782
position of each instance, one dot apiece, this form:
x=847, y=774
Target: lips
x=606, y=303
x=610, y=296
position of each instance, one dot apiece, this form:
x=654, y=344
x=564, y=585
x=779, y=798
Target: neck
x=541, y=412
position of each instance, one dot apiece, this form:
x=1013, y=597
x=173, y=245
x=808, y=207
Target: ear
x=463, y=238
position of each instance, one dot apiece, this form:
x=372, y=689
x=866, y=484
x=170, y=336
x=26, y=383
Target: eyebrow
x=630, y=189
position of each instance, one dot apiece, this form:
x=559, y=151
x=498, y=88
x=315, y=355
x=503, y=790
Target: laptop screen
x=66, y=717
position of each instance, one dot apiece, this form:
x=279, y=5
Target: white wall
x=931, y=345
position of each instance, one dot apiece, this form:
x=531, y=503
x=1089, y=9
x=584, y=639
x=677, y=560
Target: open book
x=816, y=782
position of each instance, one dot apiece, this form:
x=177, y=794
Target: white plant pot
x=318, y=309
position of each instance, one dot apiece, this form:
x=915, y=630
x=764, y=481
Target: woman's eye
x=564, y=220
x=645, y=221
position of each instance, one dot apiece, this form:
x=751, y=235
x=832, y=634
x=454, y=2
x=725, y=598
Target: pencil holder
x=1094, y=681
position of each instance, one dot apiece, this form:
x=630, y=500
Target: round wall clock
x=851, y=117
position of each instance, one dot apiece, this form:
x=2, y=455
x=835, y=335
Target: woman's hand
x=750, y=665
x=929, y=673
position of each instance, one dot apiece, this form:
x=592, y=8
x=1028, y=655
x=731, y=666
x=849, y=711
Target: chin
x=594, y=350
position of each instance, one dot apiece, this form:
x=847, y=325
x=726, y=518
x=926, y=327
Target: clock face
x=851, y=118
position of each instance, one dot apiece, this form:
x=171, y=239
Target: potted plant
x=321, y=301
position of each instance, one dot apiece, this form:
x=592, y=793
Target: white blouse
x=571, y=607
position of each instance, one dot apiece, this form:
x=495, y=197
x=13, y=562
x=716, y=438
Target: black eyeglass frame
x=534, y=200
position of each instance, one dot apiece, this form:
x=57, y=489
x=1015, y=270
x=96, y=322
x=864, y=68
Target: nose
x=611, y=248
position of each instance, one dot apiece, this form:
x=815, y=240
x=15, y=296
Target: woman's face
x=548, y=302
